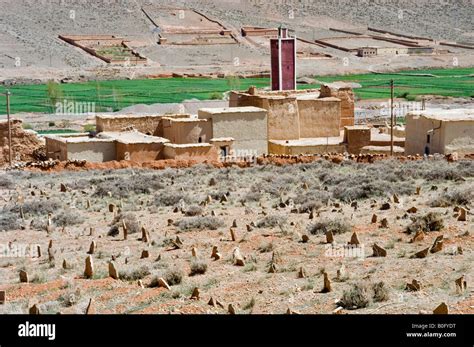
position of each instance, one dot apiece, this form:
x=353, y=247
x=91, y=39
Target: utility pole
x=9, y=129
x=391, y=117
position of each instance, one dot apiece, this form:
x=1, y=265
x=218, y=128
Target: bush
x=457, y=196
x=9, y=221
x=122, y=187
x=193, y=210
x=169, y=198
x=40, y=207
x=6, y=182
x=198, y=267
x=131, y=221
x=134, y=274
x=381, y=292
x=67, y=218
x=199, y=223
x=266, y=247
x=271, y=221
x=429, y=222
x=359, y=296
x=251, y=197
x=339, y=226
x=173, y=276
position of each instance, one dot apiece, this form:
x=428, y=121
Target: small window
x=428, y=138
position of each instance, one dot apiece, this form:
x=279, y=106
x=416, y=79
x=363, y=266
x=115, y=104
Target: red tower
x=283, y=61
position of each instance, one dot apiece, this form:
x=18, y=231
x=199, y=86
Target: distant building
x=440, y=131
x=283, y=61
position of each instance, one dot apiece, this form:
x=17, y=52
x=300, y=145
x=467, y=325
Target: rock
x=195, y=294
x=385, y=206
x=3, y=297
x=145, y=237
x=460, y=250
x=374, y=218
x=194, y=252
x=304, y=238
x=461, y=285
x=111, y=207
x=34, y=309
x=441, y=309
x=140, y=284
x=414, y=286
x=418, y=191
x=238, y=258
x=421, y=254
x=215, y=253
x=338, y=310
x=327, y=284
x=212, y=302
x=91, y=231
x=208, y=199
x=38, y=250
x=63, y=188
x=311, y=215
x=90, y=307
x=329, y=237
x=249, y=228
x=212, y=182
x=88, y=204
x=231, y=309
x=301, y=273
x=396, y=199
x=163, y=284
x=113, y=272
x=452, y=157
x=23, y=276
x=232, y=234
x=354, y=239
x=462, y=215
x=213, y=213
x=125, y=230
x=65, y=265
x=378, y=251
x=234, y=223
x=412, y=210
x=384, y=223
x=51, y=254
x=272, y=269
x=170, y=222
x=290, y=311
x=89, y=268
x=145, y=254
x=224, y=199
x=437, y=245
x=419, y=236
x=92, y=248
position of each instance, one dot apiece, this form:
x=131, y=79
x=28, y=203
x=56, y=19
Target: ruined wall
x=276, y=148
x=458, y=137
x=319, y=117
x=416, y=130
x=356, y=137
x=140, y=152
x=182, y=132
x=347, y=103
x=148, y=124
x=24, y=142
x=56, y=149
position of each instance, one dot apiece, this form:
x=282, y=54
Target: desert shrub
x=429, y=222
x=9, y=221
x=122, y=187
x=199, y=223
x=131, y=221
x=198, y=267
x=265, y=247
x=356, y=189
x=336, y=226
x=381, y=292
x=67, y=218
x=358, y=296
x=251, y=197
x=40, y=207
x=134, y=274
x=173, y=276
x=6, y=182
x=193, y=210
x=271, y=221
x=457, y=196
x=169, y=198
x=308, y=203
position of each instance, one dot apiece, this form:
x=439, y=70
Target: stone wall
x=24, y=142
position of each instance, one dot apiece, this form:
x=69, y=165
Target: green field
x=115, y=95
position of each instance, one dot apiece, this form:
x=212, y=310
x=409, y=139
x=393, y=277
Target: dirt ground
x=280, y=213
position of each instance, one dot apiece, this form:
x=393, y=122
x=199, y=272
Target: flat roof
x=130, y=137
x=112, y=116
x=187, y=145
x=185, y=120
x=458, y=114
x=224, y=110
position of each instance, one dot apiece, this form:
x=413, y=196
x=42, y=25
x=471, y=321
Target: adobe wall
x=280, y=149
x=24, y=142
x=198, y=152
x=182, y=132
x=356, y=137
x=93, y=151
x=458, y=137
x=248, y=128
x=139, y=152
x=56, y=149
x=319, y=117
x=147, y=124
x=347, y=102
